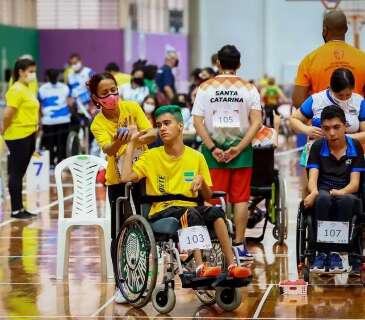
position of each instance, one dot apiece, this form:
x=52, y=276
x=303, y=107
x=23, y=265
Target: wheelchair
x=268, y=195
x=307, y=244
x=139, y=245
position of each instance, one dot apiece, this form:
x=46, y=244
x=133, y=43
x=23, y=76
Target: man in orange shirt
x=315, y=70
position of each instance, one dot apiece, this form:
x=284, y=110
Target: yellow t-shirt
x=316, y=68
x=122, y=78
x=25, y=121
x=168, y=175
x=104, y=130
x=33, y=85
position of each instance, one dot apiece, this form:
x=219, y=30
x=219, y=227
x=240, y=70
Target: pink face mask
x=110, y=102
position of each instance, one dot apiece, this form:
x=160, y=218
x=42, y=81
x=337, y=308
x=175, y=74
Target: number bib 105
x=333, y=232
x=196, y=237
x=226, y=118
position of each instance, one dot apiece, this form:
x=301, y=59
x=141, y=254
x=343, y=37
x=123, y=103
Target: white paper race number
x=333, y=232
x=226, y=118
x=196, y=237
x=38, y=172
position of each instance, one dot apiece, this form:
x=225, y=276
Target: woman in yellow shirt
x=20, y=124
x=112, y=128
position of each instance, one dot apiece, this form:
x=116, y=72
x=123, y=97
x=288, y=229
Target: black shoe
x=355, y=268
x=23, y=214
x=255, y=218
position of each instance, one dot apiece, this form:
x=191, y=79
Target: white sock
x=15, y=212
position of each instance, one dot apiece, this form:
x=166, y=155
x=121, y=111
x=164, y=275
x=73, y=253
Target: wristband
x=212, y=149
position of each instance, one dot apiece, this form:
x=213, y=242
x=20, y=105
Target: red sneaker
x=204, y=271
x=238, y=272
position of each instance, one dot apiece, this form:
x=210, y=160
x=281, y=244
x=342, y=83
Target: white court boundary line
x=106, y=304
x=262, y=302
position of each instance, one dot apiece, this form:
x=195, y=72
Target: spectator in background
x=195, y=79
x=120, y=77
x=20, y=124
x=214, y=61
x=136, y=89
x=206, y=74
x=150, y=72
x=55, y=101
x=149, y=105
x=165, y=78
x=77, y=79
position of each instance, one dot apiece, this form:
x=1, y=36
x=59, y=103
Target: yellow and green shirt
x=170, y=175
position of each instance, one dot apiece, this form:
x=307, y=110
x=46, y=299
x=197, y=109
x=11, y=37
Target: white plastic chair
x=84, y=169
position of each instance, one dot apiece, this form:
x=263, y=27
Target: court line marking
x=38, y=210
x=103, y=307
x=262, y=301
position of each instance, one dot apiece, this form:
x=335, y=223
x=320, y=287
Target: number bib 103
x=333, y=232
x=196, y=237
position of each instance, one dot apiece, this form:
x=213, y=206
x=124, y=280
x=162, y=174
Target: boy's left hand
x=197, y=184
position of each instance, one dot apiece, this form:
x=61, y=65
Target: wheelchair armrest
x=218, y=194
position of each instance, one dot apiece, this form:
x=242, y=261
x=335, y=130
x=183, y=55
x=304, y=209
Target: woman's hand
x=314, y=132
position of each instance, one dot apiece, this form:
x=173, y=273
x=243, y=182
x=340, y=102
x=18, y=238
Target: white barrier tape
x=284, y=153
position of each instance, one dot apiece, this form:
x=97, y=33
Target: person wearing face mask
x=33, y=85
x=149, y=105
x=315, y=69
x=113, y=127
x=55, y=100
x=77, y=79
x=340, y=93
x=165, y=78
x=19, y=127
x=136, y=89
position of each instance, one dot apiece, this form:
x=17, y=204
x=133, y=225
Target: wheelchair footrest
x=189, y=280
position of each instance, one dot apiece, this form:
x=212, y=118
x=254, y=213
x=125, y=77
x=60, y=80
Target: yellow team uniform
x=168, y=175
x=316, y=68
x=104, y=130
x=122, y=78
x=25, y=121
x=33, y=85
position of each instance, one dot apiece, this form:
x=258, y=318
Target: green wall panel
x=18, y=41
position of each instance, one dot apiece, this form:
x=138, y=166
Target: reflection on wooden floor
x=29, y=290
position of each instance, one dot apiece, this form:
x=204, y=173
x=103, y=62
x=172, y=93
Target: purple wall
x=96, y=47
x=153, y=46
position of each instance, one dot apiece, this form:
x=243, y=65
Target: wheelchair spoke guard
x=136, y=257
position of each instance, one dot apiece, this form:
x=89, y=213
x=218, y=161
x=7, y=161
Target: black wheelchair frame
x=307, y=245
x=267, y=185
x=136, y=255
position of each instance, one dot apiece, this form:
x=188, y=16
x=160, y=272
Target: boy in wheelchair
x=177, y=169
x=334, y=166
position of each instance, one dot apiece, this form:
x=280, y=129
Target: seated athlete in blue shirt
x=334, y=166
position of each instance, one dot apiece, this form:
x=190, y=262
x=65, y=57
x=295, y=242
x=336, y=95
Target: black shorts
x=196, y=216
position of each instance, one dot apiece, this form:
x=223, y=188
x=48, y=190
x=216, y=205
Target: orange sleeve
x=303, y=78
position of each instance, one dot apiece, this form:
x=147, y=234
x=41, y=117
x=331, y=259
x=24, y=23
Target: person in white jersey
x=77, y=79
x=227, y=116
x=55, y=100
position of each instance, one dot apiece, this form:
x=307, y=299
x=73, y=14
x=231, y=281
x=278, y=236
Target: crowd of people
x=148, y=130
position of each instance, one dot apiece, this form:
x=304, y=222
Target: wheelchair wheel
x=213, y=257
x=163, y=300
x=73, y=146
x=228, y=299
x=136, y=257
x=301, y=236
x=280, y=230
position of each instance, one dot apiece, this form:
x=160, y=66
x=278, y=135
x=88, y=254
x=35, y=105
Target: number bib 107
x=196, y=237
x=226, y=118
x=333, y=232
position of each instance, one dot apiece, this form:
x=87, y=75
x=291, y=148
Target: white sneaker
x=119, y=298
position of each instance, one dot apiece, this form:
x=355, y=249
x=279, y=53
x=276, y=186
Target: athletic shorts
x=235, y=182
x=191, y=216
